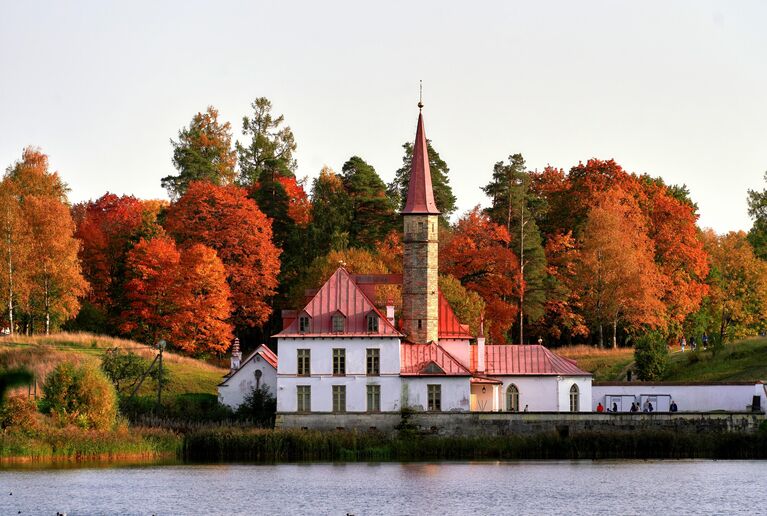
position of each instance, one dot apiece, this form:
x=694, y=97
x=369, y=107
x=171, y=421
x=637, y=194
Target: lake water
x=582, y=487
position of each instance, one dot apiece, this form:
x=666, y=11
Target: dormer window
x=339, y=323
x=304, y=324
x=372, y=323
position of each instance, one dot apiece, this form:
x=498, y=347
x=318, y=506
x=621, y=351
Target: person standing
x=673, y=407
x=682, y=343
x=600, y=408
x=704, y=339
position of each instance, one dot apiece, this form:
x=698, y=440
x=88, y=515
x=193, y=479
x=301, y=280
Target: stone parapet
x=527, y=423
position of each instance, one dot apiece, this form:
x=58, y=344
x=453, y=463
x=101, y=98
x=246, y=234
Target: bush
x=126, y=369
x=19, y=411
x=651, y=356
x=80, y=395
x=259, y=406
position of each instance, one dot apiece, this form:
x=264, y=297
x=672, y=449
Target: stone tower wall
x=420, y=298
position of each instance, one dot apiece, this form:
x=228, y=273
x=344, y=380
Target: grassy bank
x=227, y=444
x=744, y=360
x=76, y=444
x=606, y=364
x=41, y=354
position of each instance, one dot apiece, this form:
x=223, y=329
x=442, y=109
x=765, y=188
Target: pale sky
x=676, y=89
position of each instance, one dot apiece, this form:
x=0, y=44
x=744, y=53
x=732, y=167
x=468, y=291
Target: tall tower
x=420, y=299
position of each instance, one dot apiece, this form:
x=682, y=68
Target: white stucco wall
x=564, y=383
x=233, y=390
x=692, y=398
x=455, y=392
x=322, y=380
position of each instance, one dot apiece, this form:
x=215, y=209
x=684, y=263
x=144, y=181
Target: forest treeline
x=594, y=254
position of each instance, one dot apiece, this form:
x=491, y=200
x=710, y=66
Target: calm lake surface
x=582, y=487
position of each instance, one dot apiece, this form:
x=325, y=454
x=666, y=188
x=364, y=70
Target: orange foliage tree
x=178, y=296
x=478, y=256
x=617, y=276
x=225, y=219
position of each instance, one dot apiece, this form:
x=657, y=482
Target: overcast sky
x=671, y=88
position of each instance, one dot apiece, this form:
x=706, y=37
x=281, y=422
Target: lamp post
x=160, y=348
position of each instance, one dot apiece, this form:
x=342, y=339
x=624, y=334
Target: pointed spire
x=420, y=195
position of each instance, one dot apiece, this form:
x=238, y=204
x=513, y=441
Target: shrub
x=259, y=406
x=126, y=369
x=19, y=411
x=651, y=356
x=80, y=395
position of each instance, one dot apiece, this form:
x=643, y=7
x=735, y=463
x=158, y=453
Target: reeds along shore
x=237, y=444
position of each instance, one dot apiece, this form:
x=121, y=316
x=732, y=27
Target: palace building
x=343, y=354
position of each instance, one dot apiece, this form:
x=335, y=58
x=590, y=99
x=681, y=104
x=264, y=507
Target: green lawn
x=42, y=353
x=741, y=361
x=605, y=364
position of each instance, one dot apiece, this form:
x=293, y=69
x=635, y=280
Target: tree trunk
x=601, y=336
x=10, y=269
x=615, y=333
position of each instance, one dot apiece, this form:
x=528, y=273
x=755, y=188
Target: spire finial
x=420, y=95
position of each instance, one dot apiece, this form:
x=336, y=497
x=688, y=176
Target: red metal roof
x=524, y=360
x=267, y=354
x=340, y=295
x=416, y=360
x=449, y=326
x=420, y=196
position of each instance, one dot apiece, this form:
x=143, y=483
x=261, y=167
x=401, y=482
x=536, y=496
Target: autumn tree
x=42, y=277
x=515, y=207
x=225, y=219
x=467, y=305
x=737, y=298
x=204, y=304
x=56, y=280
x=152, y=273
x=107, y=229
x=478, y=255
x=618, y=279
x=443, y=193
x=271, y=146
x=203, y=152
x=373, y=214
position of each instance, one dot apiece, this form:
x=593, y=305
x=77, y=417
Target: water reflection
x=585, y=487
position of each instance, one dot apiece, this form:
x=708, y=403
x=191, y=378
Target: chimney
x=481, y=348
x=236, y=355
x=390, y=311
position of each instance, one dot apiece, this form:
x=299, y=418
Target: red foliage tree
x=225, y=219
x=204, y=302
x=478, y=255
x=299, y=206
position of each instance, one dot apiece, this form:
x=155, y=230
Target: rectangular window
x=372, y=323
x=304, y=360
x=435, y=397
x=303, y=324
x=420, y=324
x=374, y=398
x=339, y=398
x=304, y=398
x=374, y=362
x=338, y=323
x=339, y=362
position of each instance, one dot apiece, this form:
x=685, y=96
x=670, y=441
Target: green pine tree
x=443, y=193
x=271, y=145
x=331, y=214
x=203, y=152
x=373, y=214
x=757, y=210
x=515, y=207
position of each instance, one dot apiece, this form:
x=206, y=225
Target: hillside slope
x=41, y=354
x=741, y=361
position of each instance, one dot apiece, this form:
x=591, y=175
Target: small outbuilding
x=257, y=370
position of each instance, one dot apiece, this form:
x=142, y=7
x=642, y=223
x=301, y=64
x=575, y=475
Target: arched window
x=574, y=398
x=512, y=398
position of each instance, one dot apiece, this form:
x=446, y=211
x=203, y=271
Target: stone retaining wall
x=505, y=423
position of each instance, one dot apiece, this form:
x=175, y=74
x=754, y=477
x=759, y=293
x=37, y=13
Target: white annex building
x=257, y=370
x=340, y=353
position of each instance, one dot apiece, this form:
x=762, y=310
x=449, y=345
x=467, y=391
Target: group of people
x=693, y=342
x=648, y=407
